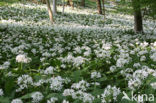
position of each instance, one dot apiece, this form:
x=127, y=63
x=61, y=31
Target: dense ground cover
x=81, y=58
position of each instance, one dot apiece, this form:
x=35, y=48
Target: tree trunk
x=54, y=7
x=138, y=25
x=63, y=6
x=99, y=6
x=71, y=3
x=104, y=11
x=50, y=11
x=83, y=3
x=43, y=1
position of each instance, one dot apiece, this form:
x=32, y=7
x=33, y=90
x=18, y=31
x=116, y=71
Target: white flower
x=1, y=92
x=153, y=57
x=110, y=91
x=65, y=101
x=121, y=62
x=134, y=83
x=7, y=64
x=63, y=66
x=21, y=58
x=87, y=98
x=112, y=68
x=95, y=75
x=46, y=54
x=56, y=83
x=39, y=83
x=77, y=49
x=106, y=46
x=136, y=65
x=143, y=58
x=49, y=70
x=68, y=92
x=52, y=100
x=153, y=85
x=95, y=83
x=78, y=60
x=37, y=97
x=87, y=53
x=81, y=85
x=24, y=79
x=16, y=101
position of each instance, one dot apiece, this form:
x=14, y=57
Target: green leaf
x=9, y=85
x=4, y=100
x=28, y=95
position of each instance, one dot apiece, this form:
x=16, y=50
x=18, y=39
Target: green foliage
x=7, y=2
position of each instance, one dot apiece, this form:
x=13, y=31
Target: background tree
x=138, y=25
x=43, y=1
x=83, y=3
x=99, y=6
x=54, y=6
x=70, y=2
x=63, y=1
x=103, y=7
x=50, y=11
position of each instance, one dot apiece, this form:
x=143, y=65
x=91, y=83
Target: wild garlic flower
x=81, y=85
x=153, y=57
x=68, y=92
x=5, y=65
x=113, y=68
x=136, y=65
x=65, y=101
x=56, y=83
x=52, y=100
x=24, y=79
x=49, y=70
x=16, y=101
x=110, y=91
x=37, y=97
x=39, y=83
x=153, y=85
x=77, y=61
x=121, y=62
x=134, y=83
x=1, y=92
x=95, y=75
x=21, y=58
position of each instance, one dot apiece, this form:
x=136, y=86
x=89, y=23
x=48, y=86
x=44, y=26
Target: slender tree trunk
x=71, y=3
x=63, y=6
x=104, y=10
x=54, y=7
x=43, y=1
x=50, y=11
x=83, y=3
x=138, y=25
x=99, y=6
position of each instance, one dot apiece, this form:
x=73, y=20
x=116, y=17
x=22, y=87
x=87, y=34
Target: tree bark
x=50, y=12
x=104, y=10
x=63, y=7
x=43, y=1
x=83, y=3
x=54, y=7
x=70, y=2
x=99, y=6
x=138, y=25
